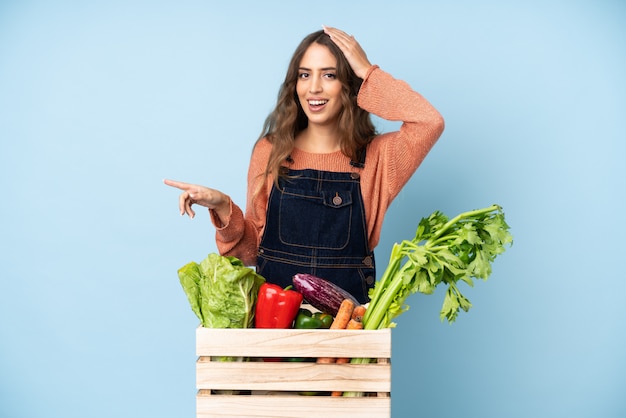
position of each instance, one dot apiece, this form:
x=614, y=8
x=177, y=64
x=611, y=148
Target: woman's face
x=318, y=88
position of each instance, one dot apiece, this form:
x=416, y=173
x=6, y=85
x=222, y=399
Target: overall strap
x=360, y=160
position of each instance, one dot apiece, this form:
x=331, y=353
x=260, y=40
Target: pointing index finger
x=178, y=184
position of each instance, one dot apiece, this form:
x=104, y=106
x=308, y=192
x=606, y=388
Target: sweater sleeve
x=402, y=151
x=239, y=234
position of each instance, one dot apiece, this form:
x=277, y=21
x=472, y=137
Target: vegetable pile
x=225, y=294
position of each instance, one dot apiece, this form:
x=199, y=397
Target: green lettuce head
x=222, y=291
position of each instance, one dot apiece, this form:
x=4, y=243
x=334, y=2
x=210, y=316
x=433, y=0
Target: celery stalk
x=442, y=251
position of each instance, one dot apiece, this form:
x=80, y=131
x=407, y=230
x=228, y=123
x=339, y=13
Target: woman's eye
x=303, y=75
x=330, y=75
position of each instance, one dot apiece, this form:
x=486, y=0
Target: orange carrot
x=354, y=324
x=344, y=314
x=358, y=313
x=342, y=360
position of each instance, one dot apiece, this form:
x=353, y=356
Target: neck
x=318, y=140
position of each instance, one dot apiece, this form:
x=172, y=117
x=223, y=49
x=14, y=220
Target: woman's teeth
x=317, y=102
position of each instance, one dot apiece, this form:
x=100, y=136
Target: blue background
x=99, y=101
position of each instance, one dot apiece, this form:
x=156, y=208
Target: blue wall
x=101, y=101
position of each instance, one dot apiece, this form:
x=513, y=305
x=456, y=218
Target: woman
x=320, y=178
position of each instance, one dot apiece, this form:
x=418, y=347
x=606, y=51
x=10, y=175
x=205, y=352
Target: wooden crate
x=272, y=389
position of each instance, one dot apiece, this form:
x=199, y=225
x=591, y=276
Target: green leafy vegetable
x=222, y=292
x=442, y=251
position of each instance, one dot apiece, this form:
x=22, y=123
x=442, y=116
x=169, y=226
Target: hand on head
x=351, y=49
x=203, y=196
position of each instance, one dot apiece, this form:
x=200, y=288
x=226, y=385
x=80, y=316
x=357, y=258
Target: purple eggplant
x=320, y=293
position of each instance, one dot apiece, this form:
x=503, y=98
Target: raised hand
x=351, y=49
x=203, y=196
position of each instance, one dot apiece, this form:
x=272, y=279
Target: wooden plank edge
x=279, y=406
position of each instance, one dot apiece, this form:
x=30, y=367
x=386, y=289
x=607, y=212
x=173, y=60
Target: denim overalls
x=316, y=224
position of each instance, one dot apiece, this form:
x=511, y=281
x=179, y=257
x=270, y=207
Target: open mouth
x=315, y=103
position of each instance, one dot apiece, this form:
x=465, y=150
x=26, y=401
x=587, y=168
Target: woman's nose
x=316, y=85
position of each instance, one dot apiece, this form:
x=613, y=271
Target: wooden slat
x=277, y=376
x=291, y=406
x=253, y=342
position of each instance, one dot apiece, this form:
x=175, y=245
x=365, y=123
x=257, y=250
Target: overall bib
x=316, y=224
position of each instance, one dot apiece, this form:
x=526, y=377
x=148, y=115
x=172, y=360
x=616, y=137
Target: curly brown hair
x=288, y=119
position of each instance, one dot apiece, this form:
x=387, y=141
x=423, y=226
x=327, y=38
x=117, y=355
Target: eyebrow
x=323, y=69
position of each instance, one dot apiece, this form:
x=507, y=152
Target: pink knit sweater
x=391, y=160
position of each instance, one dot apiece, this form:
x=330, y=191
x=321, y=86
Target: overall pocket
x=315, y=219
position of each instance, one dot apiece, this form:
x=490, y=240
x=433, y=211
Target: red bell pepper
x=276, y=307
